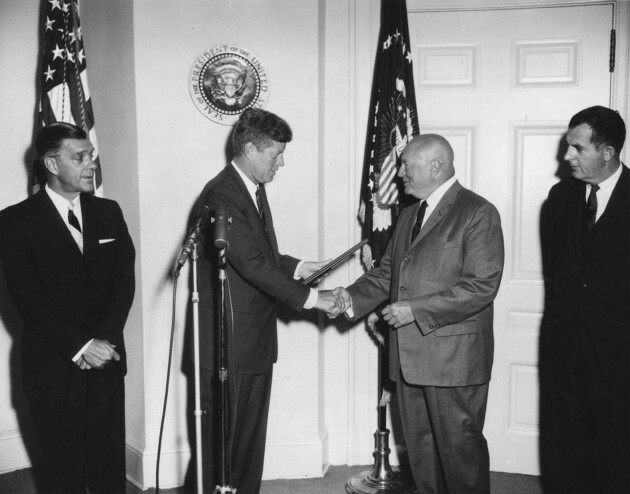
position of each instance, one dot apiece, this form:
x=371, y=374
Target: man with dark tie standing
x=585, y=352
x=440, y=273
x=68, y=261
x=258, y=277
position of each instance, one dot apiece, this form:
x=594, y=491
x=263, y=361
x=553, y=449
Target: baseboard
x=13, y=452
x=293, y=460
x=283, y=460
x=142, y=462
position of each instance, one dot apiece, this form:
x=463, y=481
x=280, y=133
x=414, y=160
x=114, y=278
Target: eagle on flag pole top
x=393, y=121
x=65, y=95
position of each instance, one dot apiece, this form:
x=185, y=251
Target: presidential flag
x=65, y=95
x=392, y=122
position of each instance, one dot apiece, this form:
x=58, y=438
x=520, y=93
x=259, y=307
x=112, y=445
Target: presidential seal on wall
x=225, y=80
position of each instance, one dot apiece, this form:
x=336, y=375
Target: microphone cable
x=168, y=376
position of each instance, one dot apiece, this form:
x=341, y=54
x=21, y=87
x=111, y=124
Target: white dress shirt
x=434, y=199
x=62, y=205
x=605, y=191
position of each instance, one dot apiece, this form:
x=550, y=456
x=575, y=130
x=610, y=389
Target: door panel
x=501, y=85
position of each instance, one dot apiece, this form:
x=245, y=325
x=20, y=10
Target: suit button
x=405, y=259
x=402, y=288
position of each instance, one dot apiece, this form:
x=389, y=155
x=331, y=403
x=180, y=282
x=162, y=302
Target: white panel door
x=501, y=85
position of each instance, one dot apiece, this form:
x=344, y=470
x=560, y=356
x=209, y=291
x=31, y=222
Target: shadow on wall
x=544, y=356
x=12, y=322
x=209, y=383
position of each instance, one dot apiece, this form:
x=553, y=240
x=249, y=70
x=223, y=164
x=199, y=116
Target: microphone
x=221, y=224
x=191, y=240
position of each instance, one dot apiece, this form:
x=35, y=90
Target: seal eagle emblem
x=225, y=80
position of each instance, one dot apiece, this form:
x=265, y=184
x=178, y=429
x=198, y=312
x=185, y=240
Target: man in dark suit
x=441, y=272
x=585, y=353
x=258, y=276
x=68, y=260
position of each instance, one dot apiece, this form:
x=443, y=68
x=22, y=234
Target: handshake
x=333, y=302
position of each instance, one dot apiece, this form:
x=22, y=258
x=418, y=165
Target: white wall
x=19, y=34
x=158, y=150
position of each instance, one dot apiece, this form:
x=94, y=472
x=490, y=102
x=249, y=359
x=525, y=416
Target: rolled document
x=334, y=263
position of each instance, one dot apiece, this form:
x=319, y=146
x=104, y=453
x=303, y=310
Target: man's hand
x=308, y=268
x=398, y=314
x=98, y=354
x=328, y=303
x=344, y=301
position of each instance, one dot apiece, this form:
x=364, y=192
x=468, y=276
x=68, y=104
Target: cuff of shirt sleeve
x=311, y=300
x=80, y=352
x=296, y=276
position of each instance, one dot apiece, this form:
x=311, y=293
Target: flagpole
x=381, y=479
x=392, y=122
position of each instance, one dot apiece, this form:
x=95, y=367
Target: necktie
x=259, y=203
x=591, y=208
x=419, y=219
x=72, y=219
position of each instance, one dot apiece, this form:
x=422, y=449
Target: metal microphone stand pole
x=198, y=411
x=224, y=487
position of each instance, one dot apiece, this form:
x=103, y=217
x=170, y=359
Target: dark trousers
x=81, y=438
x=443, y=430
x=249, y=397
x=585, y=436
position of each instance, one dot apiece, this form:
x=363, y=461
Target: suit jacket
x=257, y=277
x=450, y=274
x=587, y=288
x=65, y=297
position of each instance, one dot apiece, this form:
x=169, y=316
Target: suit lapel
x=51, y=217
x=440, y=211
x=90, y=233
x=271, y=233
x=268, y=232
x=615, y=205
x=243, y=189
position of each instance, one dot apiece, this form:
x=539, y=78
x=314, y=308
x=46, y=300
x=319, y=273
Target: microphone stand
x=198, y=412
x=224, y=487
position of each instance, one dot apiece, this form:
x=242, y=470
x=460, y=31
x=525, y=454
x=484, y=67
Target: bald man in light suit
x=440, y=281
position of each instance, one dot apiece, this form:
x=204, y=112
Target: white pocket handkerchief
x=105, y=240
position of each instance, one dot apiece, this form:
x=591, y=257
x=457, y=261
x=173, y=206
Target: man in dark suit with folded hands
x=585, y=338
x=440, y=272
x=258, y=277
x=68, y=261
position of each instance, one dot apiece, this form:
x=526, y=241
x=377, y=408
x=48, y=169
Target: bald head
x=427, y=162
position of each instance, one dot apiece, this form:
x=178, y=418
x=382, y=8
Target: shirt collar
x=251, y=186
x=610, y=182
x=437, y=194
x=62, y=204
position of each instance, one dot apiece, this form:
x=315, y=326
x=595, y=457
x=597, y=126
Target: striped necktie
x=73, y=220
x=590, y=212
x=259, y=203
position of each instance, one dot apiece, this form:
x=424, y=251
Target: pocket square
x=105, y=240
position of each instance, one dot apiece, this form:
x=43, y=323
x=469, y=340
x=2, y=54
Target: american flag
x=392, y=122
x=65, y=95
